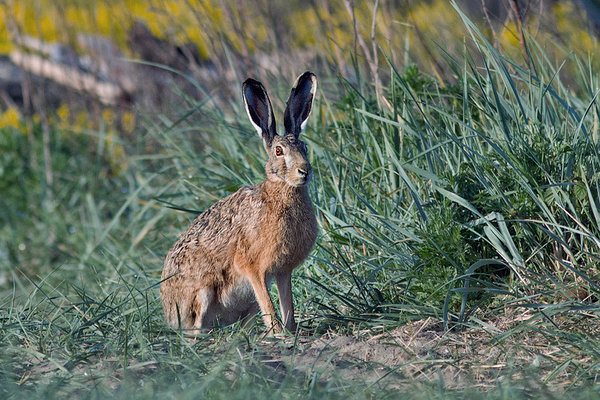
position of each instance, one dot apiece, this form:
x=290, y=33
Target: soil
x=422, y=352
x=520, y=349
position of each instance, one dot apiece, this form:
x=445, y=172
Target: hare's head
x=288, y=161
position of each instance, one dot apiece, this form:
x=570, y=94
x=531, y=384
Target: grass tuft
x=459, y=244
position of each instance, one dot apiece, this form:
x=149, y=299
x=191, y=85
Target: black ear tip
x=307, y=76
x=251, y=81
x=252, y=84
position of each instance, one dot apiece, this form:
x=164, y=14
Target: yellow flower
x=508, y=35
x=10, y=118
x=81, y=122
x=108, y=116
x=63, y=112
x=128, y=121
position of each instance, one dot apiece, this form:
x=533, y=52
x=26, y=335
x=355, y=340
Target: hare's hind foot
x=203, y=309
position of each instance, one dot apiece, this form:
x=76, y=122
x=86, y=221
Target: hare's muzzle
x=304, y=175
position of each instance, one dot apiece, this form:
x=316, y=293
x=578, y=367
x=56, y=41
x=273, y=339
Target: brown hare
x=219, y=270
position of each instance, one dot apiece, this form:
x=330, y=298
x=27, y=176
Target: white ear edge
x=258, y=128
x=313, y=91
x=303, y=126
x=305, y=122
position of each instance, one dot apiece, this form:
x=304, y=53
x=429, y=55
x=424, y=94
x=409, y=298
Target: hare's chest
x=297, y=235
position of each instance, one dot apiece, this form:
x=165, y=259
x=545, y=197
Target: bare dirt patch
x=422, y=352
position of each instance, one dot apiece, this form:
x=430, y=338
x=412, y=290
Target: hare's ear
x=300, y=103
x=259, y=109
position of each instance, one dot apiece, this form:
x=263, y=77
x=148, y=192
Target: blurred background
x=118, y=58
x=91, y=93
x=87, y=80
x=455, y=147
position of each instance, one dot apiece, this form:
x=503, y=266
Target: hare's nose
x=303, y=172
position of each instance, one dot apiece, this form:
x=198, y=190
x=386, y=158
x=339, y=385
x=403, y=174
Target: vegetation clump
x=458, y=251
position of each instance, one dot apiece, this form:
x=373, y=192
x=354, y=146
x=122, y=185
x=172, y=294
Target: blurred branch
x=13, y=30
x=515, y=8
x=236, y=25
x=489, y=21
x=106, y=92
x=373, y=64
x=325, y=30
x=375, y=57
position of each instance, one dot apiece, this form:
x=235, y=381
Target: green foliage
x=443, y=255
x=16, y=178
x=465, y=201
x=40, y=227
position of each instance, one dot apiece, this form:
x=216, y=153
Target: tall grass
x=473, y=201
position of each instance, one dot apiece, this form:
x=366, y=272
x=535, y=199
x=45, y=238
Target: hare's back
x=211, y=239
x=223, y=219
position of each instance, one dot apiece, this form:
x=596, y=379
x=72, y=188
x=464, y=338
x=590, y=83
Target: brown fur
x=219, y=270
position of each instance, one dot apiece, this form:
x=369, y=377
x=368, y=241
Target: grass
x=470, y=203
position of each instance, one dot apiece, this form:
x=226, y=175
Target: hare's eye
x=278, y=151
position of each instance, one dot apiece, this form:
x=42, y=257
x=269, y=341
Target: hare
x=220, y=269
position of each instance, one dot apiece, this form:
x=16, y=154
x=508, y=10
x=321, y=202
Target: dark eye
x=278, y=151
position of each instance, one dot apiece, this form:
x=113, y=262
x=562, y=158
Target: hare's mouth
x=297, y=181
x=301, y=180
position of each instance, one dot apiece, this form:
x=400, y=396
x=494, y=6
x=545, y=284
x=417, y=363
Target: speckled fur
x=219, y=270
